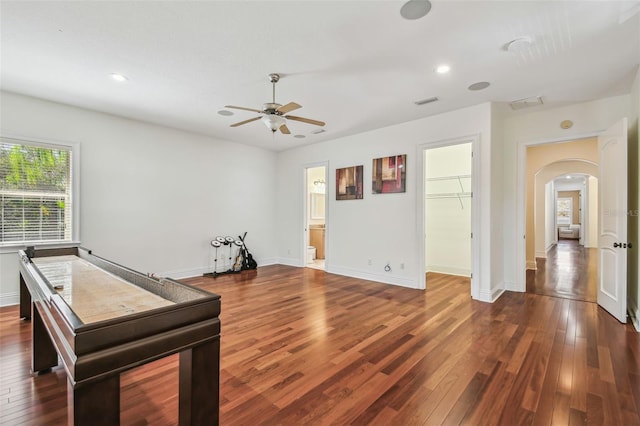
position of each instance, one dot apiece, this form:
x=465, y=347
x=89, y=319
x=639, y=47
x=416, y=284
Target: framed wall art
x=389, y=174
x=349, y=183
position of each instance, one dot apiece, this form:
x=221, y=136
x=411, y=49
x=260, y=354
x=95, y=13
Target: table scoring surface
x=93, y=293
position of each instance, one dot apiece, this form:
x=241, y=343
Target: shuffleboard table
x=101, y=319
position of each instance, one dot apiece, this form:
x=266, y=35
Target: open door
x=612, y=246
x=315, y=219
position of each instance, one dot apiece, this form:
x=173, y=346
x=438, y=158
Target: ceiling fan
x=274, y=114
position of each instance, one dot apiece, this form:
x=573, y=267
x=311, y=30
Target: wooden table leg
x=25, y=300
x=43, y=353
x=96, y=403
x=199, y=384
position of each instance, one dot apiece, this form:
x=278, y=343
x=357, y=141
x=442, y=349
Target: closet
x=447, y=201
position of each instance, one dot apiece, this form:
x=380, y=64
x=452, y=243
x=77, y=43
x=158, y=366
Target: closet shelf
x=443, y=195
x=449, y=178
x=450, y=195
x=458, y=194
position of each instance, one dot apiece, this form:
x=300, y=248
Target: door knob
x=615, y=245
x=630, y=245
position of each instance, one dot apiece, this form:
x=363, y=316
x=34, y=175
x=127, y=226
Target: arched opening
x=564, y=231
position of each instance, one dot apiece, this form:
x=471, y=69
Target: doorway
x=448, y=212
x=315, y=217
x=567, y=259
x=561, y=236
x=611, y=168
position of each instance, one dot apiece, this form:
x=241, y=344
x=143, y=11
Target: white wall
x=497, y=225
x=382, y=227
x=151, y=197
x=448, y=220
x=521, y=129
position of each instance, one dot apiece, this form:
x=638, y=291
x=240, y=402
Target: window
x=564, y=209
x=36, y=199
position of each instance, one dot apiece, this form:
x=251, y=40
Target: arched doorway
x=551, y=268
x=565, y=231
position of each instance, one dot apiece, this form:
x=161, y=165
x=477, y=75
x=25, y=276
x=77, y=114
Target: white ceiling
x=568, y=182
x=357, y=65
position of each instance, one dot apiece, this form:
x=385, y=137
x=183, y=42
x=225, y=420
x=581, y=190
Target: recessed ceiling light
x=568, y=177
x=225, y=112
x=443, y=69
x=415, y=9
x=479, y=85
x=119, y=77
x=299, y=136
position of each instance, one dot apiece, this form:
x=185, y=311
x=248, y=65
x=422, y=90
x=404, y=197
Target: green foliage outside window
x=35, y=189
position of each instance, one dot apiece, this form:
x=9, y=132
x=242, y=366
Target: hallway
x=570, y=271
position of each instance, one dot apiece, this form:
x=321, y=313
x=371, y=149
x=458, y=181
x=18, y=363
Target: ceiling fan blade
x=288, y=107
x=246, y=109
x=305, y=120
x=245, y=122
x=285, y=130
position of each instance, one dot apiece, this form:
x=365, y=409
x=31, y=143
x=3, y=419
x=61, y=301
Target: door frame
x=521, y=205
x=474, y=140
x=305, y=211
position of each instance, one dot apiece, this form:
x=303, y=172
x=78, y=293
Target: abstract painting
x=389, y=174
x=349, y=183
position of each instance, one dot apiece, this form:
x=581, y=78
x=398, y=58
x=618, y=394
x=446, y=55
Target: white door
x=612, y=246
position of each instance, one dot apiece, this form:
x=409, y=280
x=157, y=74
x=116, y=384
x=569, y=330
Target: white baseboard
x=492, y=295
x=196, y=272
x=542, y=254
x=386, y=278
x=449, y=270
x=9, y=299
x=511, y=286
x=289, y=261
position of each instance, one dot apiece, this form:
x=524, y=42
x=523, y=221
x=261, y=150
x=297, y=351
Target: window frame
x=74, y=148
x=569, y=216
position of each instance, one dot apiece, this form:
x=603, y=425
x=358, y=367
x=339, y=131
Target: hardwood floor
x=570, y=271
x=303, y=347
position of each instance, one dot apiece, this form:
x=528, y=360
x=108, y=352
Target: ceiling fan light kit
x=273, y=122
x=274, y=114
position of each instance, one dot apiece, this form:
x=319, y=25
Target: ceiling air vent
x=526, y=103
x=426, y=101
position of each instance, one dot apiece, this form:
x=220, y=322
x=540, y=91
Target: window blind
x=35, y=192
